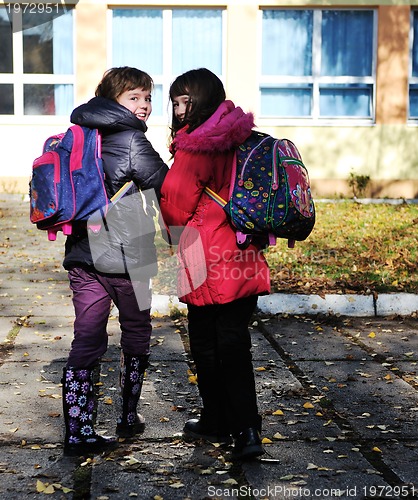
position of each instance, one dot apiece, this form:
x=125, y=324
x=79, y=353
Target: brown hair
x=206, y=93
x=116, y=81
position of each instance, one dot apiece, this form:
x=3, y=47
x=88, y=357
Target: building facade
x=339, y=78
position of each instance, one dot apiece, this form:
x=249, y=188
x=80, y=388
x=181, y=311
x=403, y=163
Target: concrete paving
x=338, y=395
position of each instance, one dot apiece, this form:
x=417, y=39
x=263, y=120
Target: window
x=166, y=43
x=36, y=60
x=413, y=77
x=318, y=64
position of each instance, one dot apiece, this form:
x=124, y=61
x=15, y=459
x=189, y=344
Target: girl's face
x=180, y=106
x=138, y=101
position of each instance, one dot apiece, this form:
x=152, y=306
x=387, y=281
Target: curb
x=402, y=304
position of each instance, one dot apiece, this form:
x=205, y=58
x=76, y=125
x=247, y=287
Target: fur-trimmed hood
x=226, y=129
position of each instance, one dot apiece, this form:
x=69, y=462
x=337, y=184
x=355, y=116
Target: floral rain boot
x=131, y=379
x=79, y=405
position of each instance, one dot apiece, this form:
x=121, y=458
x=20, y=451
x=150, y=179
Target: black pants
x=220, y=344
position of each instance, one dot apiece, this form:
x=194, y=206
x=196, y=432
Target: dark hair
x=206, y=93
x=116, y=81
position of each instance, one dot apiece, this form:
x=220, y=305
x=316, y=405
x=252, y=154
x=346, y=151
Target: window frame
x=412, y=80
x=316, y=80
x=166, y=78
x=18, y=78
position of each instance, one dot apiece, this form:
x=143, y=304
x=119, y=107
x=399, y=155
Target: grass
x=355, y=248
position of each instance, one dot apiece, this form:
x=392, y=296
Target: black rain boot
x=78, y=401
x=198, y=429
x=131, y=379
x=213, y=423
x=248, y=443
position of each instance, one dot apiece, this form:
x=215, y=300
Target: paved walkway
x=338, y=396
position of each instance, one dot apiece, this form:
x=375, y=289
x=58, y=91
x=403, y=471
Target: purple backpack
x=67, y=181
x=270, y=194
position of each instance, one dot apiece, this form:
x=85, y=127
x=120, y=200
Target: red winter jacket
x=212, y=269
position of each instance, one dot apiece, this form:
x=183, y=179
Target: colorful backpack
x=270, y=195
x=67, y=181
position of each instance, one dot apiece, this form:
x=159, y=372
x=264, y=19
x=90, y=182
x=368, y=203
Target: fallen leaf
x=178, y=408
x=177, y=485
x=132, y=461
x=278, y=412
x=49, y=490
x=279, y=436
x=40, y=486
x=266, y=441
x=373, y=471
x=308, y=405
x=289, y=477
x=372, y=335
x=230, y=481
x=205, y=472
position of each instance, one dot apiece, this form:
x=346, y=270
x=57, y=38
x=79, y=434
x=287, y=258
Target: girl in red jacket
x=218, y=281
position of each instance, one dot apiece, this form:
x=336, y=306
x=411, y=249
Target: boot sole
x=211, y=439
x=248, y=453
x=130, y=433
x=89, y=449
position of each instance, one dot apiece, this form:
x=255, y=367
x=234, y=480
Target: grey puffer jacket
x=128, y=243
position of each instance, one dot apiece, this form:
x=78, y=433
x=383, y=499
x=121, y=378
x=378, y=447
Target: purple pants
x=93, y=294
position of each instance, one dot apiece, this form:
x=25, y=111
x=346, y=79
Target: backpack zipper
x=241, y=181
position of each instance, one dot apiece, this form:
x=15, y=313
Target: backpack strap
x=215, y=197
x=76, y=157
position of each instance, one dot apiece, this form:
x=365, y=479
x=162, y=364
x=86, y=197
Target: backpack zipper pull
x=275, y=184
